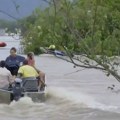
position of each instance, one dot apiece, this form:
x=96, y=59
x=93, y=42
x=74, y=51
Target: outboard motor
x=17, y=89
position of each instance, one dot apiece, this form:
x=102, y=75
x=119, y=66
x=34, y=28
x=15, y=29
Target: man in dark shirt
x=13, y=61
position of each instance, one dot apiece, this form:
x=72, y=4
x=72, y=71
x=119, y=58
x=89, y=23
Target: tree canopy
x=89, y=28
x=82, y=26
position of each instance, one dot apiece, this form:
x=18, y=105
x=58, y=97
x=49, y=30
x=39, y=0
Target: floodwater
x=71, y=93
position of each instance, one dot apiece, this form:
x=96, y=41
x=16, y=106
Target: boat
x=3, y=44
x=56, y=52
x=20, y=89
x=52, y=51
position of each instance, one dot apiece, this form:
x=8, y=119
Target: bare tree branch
x=8, y=15
x=47, y=1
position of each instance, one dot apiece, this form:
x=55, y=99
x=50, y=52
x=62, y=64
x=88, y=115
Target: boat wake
x=58, y=101
x=79, y=98
x=24, y=109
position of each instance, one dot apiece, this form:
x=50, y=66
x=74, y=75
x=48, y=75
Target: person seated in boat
x=27, y=71
x=13, y=61
x=6, y=77
x=52, y=47
x=31, y=62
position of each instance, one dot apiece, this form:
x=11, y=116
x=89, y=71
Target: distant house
x=2, y=32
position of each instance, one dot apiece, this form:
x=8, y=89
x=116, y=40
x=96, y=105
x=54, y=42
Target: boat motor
x=17, y=89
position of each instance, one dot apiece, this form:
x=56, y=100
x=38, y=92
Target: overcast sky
x=25, y=7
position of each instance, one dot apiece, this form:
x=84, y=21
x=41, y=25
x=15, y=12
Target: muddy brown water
x=70, y=95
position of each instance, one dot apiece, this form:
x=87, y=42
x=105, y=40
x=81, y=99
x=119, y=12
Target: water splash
x=25, y=102
x=79, y=98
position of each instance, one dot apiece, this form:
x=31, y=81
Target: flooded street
x=71, y=93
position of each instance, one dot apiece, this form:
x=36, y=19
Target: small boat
x=19, y=89
x=3, y=44
x=57, y=52
x=53, y=51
